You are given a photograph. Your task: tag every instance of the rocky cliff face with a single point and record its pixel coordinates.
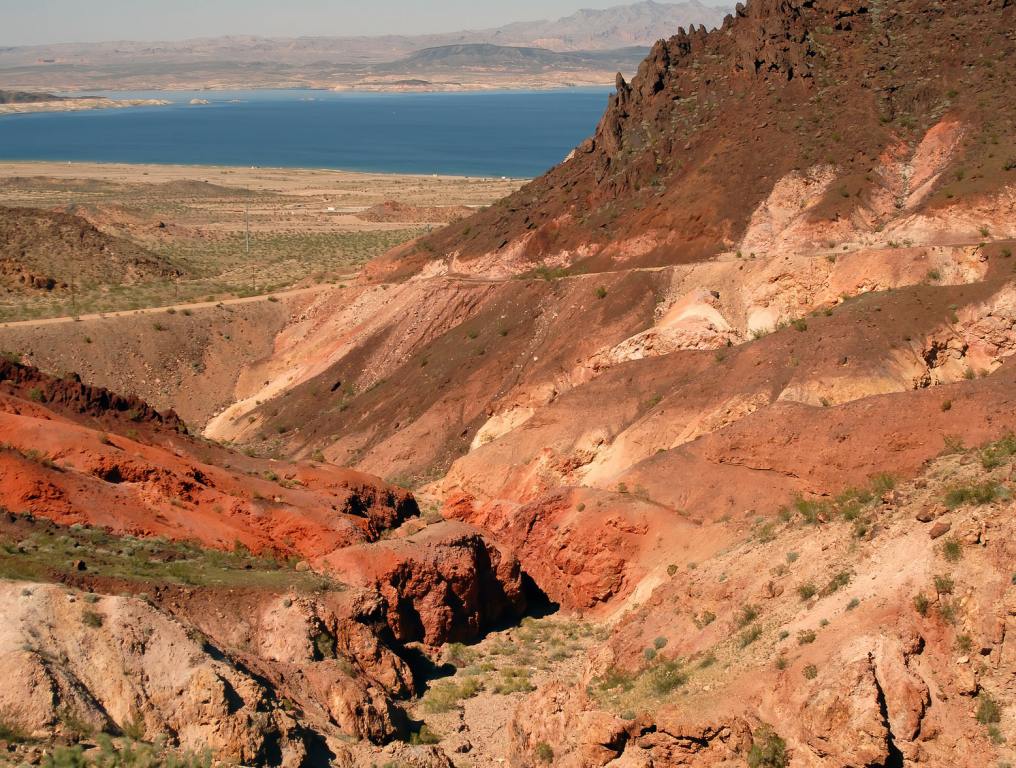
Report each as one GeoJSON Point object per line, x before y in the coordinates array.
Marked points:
{"type": "Point", "coordinates": [694, 143]}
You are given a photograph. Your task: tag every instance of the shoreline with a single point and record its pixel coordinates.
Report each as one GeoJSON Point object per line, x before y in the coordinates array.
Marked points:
{"type": "Point", "coordinates": [379, 87]}
{"type": "Point", "coordinates": [84, 104]}
{"type": "Point", "coordinates": [158, 173]}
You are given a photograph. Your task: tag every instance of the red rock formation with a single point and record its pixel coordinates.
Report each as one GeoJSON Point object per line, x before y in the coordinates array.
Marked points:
{"type": "Point", "coordinates": [444, 584]}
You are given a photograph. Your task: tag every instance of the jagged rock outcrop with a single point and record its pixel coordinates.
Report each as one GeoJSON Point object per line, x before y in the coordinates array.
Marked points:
{"type": "Point", "coordinates": [114, 663]}
{"type": "Point", "coordinates": [444, 584]}
{"type": "Point", "coordinates": [70, 394]}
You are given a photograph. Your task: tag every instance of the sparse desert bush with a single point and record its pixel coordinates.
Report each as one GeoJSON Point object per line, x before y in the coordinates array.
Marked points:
{"type": "Point", "coordinates": [660, 643]}
{"type": "Point", "coordinates": [601, 292]}
{"type": "Point", "coordinates": [837, 582]}
{"type": "Point", "coordinates": [944, 585]}
{"type": "Point", "coordinates": [10, 730]}
{"type": "Point", "coordinates": [91, 619]}
{"type": "Point", "coordinates": [988, 710]}
{"type": "Point", "coordinates": [459, 654]}
{"type": "Point", "coordinates": [124, 754]}
{"type": "Point", "coordinates": [964, 644]}
{"type": "Point", "coordinates": [806, 637]}
{"type": "Point", "coordinates": [746, 615]}
{"type": "Point", "coordinates": [952, 550]}
{"type": "Point", "coordinates": [976, 494]}
{"type": "Point", "coordinates": [812, 512]}
{"type": "Point", "coordinates": [544, 752]}
{"type": "Point", "coordinates": [921, 604]}
{"type": "Point", "coordinates": [948, 610]}
{"type": "Point", "coordinates": [749, 636]}
{"type": "Point", "coordinates": [810, 672]}
{"type": "Point", "coordinates": [704, 619]}
{"type": "Point", "coordinates": [614, 679]}
{"type": "Point", "coordinates": [445, 696]}
{"type": "Point", "coordinates": [807, 590]}
{"type": "Point", "coordinates": [666, 676]}
{"type": "Point", "coordinates": [768, 750]}
{"type": "Point", "coordinates": [424, 736]}
{"type": "Point", "coordinates": [996, 454]}
{"type": "Point", "coordinates": [324, 645]}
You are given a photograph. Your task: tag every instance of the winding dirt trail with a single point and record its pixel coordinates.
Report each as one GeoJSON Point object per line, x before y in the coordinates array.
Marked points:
{"type": "Point", "coordinates": [176, 307]}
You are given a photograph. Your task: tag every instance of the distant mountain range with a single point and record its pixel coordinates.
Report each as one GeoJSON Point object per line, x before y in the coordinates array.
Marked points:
{"type": "Point", "coordinates": [471, 56]}
{"type": "Point", "coordinates": [599, 42]}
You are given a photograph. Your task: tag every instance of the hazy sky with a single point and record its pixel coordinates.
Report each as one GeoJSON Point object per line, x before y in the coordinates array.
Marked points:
{"type": "Point", "coordinates": [28, 22]}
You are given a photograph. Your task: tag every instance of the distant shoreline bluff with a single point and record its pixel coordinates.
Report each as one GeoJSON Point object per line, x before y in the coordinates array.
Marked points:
{"type": "Point", "coordinates": [78, 105]}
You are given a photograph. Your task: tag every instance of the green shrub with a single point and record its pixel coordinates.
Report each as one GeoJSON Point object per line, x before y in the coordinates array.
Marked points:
{"type": "Point", "coordinates": [749, 636]}
{"type": "Point", "coordinates": [459, 654]}
{"type": "Point", "coordinates": [768, 750]}
{"type": "Point", "coordinates": [997, 453]}
{"type": "Point", "coordinates": [921, 604]}
{"type": "Point", "coordinates": [446, 696]}
{"type": "Point", "coordinates": [947, 610]}
{"type": "Point", "coordinates": [810, 672]}
{"type": "Point", "coordinates": [837, 582]}
{"type": "Point", "coordinates": [981, 493]}
{"type": "Point", "coordinates": [988, 710]}
{"type": "Point", "coordinates": [746, 615]}
{"type": "Point", "coordinates": [424, 736]}
{"type": "Point", "coordinates": [704, 619]}
{"type": "Point", "coordinates": [11, 731]}
{"type": "Point", "coordinates": [807, 590]}
{"type": "Point", "coordinates": [812, 512]}
{"type": "Point", "coordinates": [665, 676]}
{"type": "Point", "coordinates": [615, 678]}
{"type": "Point", "coordinates": [806, 637]}
{"type": "Point", "coordinates": [124, 754]}
{"type": "Point", "coordinates": [544, 753]}
{"type": "Point", "coordinates": [324, 645]}
{"type": "Point", "coordinates": [854, 602]}
{"type": "Point", "coordinates": [134, 728]}
{"type": "Point", "coordinates": [601, 292]}
{"type": "Point", "coordinates": [944, 585]}
{"type": "Point", "coordinates": [952, 550]}
{"type": "Point", "coordinates": [91, 619]}
{"type": "Point", "coordinates": [660, 643]}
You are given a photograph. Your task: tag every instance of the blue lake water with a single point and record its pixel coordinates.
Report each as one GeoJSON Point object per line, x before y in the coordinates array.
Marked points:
{"type": "Point", "coordinates": [518, 134]}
